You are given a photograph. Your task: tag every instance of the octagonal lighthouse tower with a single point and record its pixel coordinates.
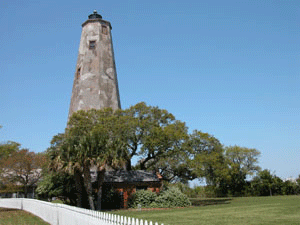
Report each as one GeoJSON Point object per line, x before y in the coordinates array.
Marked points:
{"type": "Point", "coordinates": [95, 81]}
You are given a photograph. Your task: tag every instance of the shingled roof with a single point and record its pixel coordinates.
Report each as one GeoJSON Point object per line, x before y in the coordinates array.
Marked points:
{"type": "Point", "coordinates": [122, 176]}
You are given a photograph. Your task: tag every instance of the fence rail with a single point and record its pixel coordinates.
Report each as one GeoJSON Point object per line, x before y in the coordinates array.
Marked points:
{"type": "Point", "coordinates": [60, 214]}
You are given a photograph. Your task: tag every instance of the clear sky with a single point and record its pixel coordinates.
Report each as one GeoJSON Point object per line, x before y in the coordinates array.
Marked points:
{"type": "Point", "coordinates": [229, 68]}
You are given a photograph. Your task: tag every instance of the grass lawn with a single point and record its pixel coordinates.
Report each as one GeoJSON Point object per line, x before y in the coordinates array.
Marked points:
{"type": "Point", "coordinates": [18, 217]}
{"type": "Point", "coordinates": [247, 210]}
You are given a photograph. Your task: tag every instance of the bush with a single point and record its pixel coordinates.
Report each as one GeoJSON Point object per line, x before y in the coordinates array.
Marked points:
{"type": "Point", "coordinates": [142, 197]}
{"type": "Point", "coordinates": [184, 188]}
{"type": "Point", "coordinates": [172, 197]}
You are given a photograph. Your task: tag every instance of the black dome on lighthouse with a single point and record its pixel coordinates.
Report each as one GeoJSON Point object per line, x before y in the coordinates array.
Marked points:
{"type": "Point", "coordinates": [95, 15]}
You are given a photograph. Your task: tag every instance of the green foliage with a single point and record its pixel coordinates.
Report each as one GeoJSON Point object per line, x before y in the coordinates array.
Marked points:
{"type": "Point", "coordinates": [106, 137]}
{"type": "Point", "coordinates": [197, 192]}
{"type": "Point", "coordinates": [170, 198]}
{"type": "Point", "coordinates": [243, 159]}
{"type": "Point", "coordinates": [45, 186]}
{"type": "Point", "coordinates": [226, 169]}
{"type": "Point", "coordinates": [7, 148]}
{"type": "Point", "coordinates": [290, 188]}
{"type": "Point", "coordinates": [241, 163]}
{"type": "Point", "coordinates": [159, 139]}
{"type": "Point", "coordinates": [57, 185]}
{"type": "Point", "coordinates": [208, 159]}
{"type": "Point", "coordinates": [91, 139]}
{"type": "Point", "coordinates": [266, 183]}
{"type": "Point", "coordinates": [184, 188]}
{"type": "Point", "coordinates": [142, 198]}
{"type": "Point", "coordinates": [211, 191]}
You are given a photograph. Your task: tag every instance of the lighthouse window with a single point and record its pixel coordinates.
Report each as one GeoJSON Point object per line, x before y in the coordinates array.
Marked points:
{"type": "Point", "coordinates": [104, 29]}
{"type": "Point", "coordinates": [78, 73]}
{"type": "Point", "coordinates": [92, 45]}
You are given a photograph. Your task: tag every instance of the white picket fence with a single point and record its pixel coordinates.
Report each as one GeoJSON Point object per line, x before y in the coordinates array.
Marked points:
{"type": "Point", "coordinates": [60, 214]}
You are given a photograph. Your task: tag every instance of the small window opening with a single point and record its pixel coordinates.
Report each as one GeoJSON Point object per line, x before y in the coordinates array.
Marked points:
{"type": "Point", "coordinates": [92, 45]}
{"type": "Point", "coordinates": [104, 30]}
{"type": "Point", "coordinates": [141, 188]}
{"type": "Point", "coordinates": [78, 73]}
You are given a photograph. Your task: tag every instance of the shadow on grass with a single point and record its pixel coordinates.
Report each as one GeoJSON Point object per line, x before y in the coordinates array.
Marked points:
{"type": "Point", "coordinates": [8, 210]}
{"type": "Point", "coordinates": [209, 201]}
{"type": "Point", "coordinates": [195, 202]}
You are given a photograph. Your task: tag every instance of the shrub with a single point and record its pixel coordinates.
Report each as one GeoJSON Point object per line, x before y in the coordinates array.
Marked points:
{"type": "Point", "coordinates": [142, 197]}
{"type": "Point", "coordinates": [172, 197]}
{"type": "Point", "coordinates": [184, 188]}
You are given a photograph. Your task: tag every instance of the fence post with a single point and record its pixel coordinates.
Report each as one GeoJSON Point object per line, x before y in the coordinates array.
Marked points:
{"type": "Point", "coordinates": [129, 221]}
{"type": "Point", "coordinates": [57, 214]}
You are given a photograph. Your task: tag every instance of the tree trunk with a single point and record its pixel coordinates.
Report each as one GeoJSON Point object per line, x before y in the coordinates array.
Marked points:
{"type": "Point", "coordinates": [128, 165]}
{"type": "Point", "coordinates": [99, 198]}
{"type": "Point", "coordinates": [88, 186]}
{"type": "Point", "coordinates": [143, 166]}
{"type": "Point", "coordinates": [100, 179]}
{"type": "Point", "coordinates": [78, 186]}
{"type": "Point", "coordinates": [25, 191]}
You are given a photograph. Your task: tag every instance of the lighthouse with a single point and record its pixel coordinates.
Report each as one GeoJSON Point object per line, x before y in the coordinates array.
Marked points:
{"type": "Point", "coordinates": [95, 81]}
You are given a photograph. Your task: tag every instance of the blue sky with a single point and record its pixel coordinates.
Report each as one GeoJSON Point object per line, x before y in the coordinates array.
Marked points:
{"type": "Point", "coordinates": [229, 68]}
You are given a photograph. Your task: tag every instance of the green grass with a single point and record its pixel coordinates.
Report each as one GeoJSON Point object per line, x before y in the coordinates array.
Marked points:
{"type": "Point", "coordinates": [247, 210]}
{"type": "Point", "coordinates": [58, 201]}
{"type": "Point", "coordinates": [18, 217]}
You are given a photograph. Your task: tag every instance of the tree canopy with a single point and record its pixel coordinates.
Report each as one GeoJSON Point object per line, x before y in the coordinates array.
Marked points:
{"type": "Point", "coordinates": [22, 169]}
{"type": "Point", "coordinates": [147, 138]}
{"type": "Point", "coordinates": [7, 148]}
{"type": "Point", "coordinates": [242, 162]}
{"type": "Point", "coordinates": [90, 140]}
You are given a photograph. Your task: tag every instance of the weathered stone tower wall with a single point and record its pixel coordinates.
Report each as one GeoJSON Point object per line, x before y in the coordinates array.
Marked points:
{"type": "Point", "coordinates": [95, 81]}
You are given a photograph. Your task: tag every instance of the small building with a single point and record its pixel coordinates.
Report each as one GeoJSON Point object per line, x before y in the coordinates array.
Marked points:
{"type": "Point", "coordinates": [125, 183]}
